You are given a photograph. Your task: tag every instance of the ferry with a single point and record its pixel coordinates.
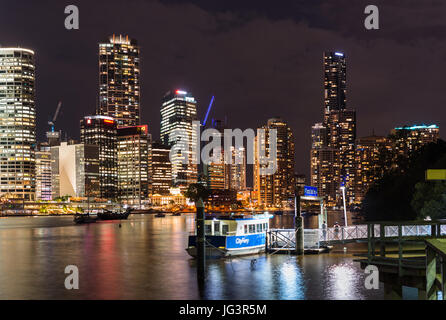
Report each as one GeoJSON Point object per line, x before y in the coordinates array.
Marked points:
{"type": "Point", "coordinates": [233, 235]}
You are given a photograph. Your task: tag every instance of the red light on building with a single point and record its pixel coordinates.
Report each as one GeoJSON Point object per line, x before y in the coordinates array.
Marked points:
{"type": "Point", "coordinates": [88, 121]}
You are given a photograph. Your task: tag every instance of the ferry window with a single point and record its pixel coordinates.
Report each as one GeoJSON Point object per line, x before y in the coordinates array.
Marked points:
{"type": "Point", "coordinates": [224, 229]}
{"type": "Point", "coordinates": [259, 228]}
{"type": "Point", "coordinates": [246, 228]}
{"type": "Point", "coordinates": [252, 228]}
{"type": "Point", "coordinates": [207, 229]}
{"type": "Point", "coordinates": [265, 226]}
{"type": "Point", "coordinates": [217, 227]}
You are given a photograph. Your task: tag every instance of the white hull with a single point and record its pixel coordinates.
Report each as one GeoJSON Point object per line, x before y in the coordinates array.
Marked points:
{"type": "Point", "coordinates": [215, 253]}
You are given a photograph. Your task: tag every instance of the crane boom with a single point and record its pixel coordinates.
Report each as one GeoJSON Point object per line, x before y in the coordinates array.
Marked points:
{"type": "Point", "coordinates": [59, 105]}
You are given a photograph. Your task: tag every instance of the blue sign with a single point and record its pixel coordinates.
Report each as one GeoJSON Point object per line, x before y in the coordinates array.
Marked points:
{"type": "Point", "coordinates": [310, 191]}
{"type": "Point", "coordinates": [251, 240]}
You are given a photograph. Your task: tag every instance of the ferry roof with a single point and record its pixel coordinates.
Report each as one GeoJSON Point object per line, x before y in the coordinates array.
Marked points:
{"type": "Point", "coordinates": [240, 217]}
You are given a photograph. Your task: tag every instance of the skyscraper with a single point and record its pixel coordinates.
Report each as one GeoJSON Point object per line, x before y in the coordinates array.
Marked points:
{"type": "Point", "coordinates": [368, 163]}
{"type": "Point", "coordinates": [75, 170]}
{"type": "Point", "coordinates": [119, 86]}
{"type": "Point", "coordinates": [324, 165]}
{"type": "Point", "coordinates": [410, 138]}
{"type": "Point", "coordinates": [101, 131]}
{"type": "Point", "coordinates": [335, 81]}
{"type": "Point", "coordinates": [43, 172]}
{"type": "Point", "coordinates": [17, 123]}
{"type": "Point", "coordinates": [178, 111]}
{"type": "Point", "coordinates": [161, 169]}
{"type": "Point", "coordinates": [333, 151]}
{"type": "Point", "coordinates": [276, 189]}
{"type": "Point", "coordinates": [133, 164]}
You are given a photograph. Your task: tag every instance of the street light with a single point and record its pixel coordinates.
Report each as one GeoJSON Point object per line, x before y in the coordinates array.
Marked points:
{"type": "Point", "coordinates": [345, 209]}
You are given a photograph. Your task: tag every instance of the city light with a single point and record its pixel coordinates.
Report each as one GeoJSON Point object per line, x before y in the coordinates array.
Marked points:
{"type": "Point", "coordinates": [180, 92]}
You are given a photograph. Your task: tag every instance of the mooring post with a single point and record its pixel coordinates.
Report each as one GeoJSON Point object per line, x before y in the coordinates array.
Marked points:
{"type": "Point", "coordinates": [299, 227]}
{"type": "Point", "coordinates": [201, 245]}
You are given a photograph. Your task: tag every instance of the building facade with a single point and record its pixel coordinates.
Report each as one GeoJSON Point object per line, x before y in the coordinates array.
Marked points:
{"type": "Point", "coordinates": [75, 170]}
{"type": "Point", "coordinates": [43, 172]}
{"type": "Point", "coordinates": [178, 112]}
{"type": "Point", "coordinates": [369, 166]}
{"type": "Point", "coordinates": [161, 169]}
{"type": "Point", "coordinates": [411, 138]}
{"type": "Point", "coordinates": [119, 83]}
{"type": "Point", "coordinates": [274, 189]}
{"type": "Point", "coordinates": [102, 131]}
{"type": "Point", "coordinates": [133, 164]}
{"type": "Point", "coordinates": [17, 123]}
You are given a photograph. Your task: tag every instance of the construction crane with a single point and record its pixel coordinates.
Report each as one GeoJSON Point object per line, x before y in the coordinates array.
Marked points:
{"type": "Point", "coordinates": [209, 110]}
{"type": "Point", "coordinates": [53, 122]}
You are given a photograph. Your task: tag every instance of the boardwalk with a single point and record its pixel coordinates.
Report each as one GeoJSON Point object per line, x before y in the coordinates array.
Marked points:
{"type": "Point", "coordinates": [285, 238]}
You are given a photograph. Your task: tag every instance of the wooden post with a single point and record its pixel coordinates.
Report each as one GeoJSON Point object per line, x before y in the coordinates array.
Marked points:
{"type": "Point", "coordinates": [201, 245]}
{"type": "Point", "coordinates": [431, 274]}
{"type": "Point", "coordinates": [382, 245]}
{"type": "Point", "coordinates": [369, 242]}
{"type": "Point", "coordinates": [400, 250]}
{"type": "Point", "coordinates": [299, 227]}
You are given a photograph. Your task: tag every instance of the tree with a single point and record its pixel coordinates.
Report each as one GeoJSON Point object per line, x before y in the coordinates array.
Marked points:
{"type": "Point", "coordinates": [390, 197]}
{"type": "Point", "coordinates": [197, 191]}
{"type": "Point", "coordinates": [429, 199]}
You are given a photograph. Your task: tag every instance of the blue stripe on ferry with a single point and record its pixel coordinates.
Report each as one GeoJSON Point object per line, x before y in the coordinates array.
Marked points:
{"type": "Point", "coordinates": [246, 241]}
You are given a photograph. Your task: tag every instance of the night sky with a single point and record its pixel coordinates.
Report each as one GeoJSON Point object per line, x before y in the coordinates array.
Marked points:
{"type": "Point", "coordinates": [259, 58]}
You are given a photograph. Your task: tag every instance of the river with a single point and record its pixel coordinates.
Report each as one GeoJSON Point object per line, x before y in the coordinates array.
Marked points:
{"type": "Point", "coordinates": [145, 258]}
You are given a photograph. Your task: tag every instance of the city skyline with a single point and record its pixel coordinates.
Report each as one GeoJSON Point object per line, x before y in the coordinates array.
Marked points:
{"type": "Point", "coordinates": [234, 77]}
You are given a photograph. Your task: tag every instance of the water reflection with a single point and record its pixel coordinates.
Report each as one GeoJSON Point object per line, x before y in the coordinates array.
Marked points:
{"type": "Point", "coordinates": [145, 258]}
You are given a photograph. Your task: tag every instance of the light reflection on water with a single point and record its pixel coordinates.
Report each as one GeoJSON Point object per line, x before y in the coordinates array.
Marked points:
{"type": "Point", "coordinates": [145, 258]}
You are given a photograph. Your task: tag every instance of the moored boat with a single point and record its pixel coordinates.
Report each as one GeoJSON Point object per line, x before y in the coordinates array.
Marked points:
{"type": "Point", "coordinates": [109, 215]}
{"type": "Point", "coordinates": [233, 236]}
{"type": "Point", "coordinates": [84, 218]}
{"type": "Point", "coordinates": [160, 215]}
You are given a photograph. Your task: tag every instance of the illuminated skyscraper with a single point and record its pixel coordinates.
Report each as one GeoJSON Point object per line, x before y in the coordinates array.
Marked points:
{"type": "Point", "coordinates": [101, 131]}
{"type": "Point", "coordinates": [178, 111]}
{"type": "Point", "coordinates": [324, 165]}
{"type": "Point", "coordinates": [235, 176]}
{"type": "Point", "coordinates": [335, 81]}
{"type": "Point", "coordinates": [333, 145]}
{"type": "Point", "coordinates": [276, 189]}
{"type": "Point", "coordinates": [119, 87]}
{"type": "Point", "coordinates": [161, 169]}
{"type": "Point", "coordinates": [43, 172]}
{"type": "Point", "coordinates": [75, 170]}
{"type": "Point", "coordinates": [17, 123]}
{"type": "Point", "coordinates": [133, 164]}
{"type": "Point", "coordinates": [368, 163]}
{"type": "Point", "coordinates": [410, 138]}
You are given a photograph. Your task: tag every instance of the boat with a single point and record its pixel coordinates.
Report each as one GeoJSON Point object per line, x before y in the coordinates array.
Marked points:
{"type": "Point", "coordinates": [84, 218]}
{"type": "Point", "coordinates": [177, 214]}
{"type": "Point", "coordinates": [233, 235]}
{"type": "Point", "coordinates": [109, 215]}
{"type": "Point", "coordinates": [160, 215]}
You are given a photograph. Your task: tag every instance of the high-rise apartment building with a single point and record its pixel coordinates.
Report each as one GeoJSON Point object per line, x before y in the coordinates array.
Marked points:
{"type": "Point", "coordinates": [75, 170]}
{"type": "Point", "coordinates": [368, 163]}
{"type": "Point", "coordinates": [133, 164]}
{"type": "Point", "coordinates": [324, 165]}
{"type": "Point", "coordinates": [274, 189]}
{"type": "Point", "coordinates": [178, 111]}
{"type": "Point", "coordinates": [17, 123]}
{"type": "Point", "coordinates": [335, 81]}
{"type": "Point", "coordinates": [161, 169]}
{"type": "Point", "coordinates": [410, 138]}
{"type": "Point", "coordinates": [119, 84]}
{"type": "Point", "coordinates": [43, 172]}
{"type": "Point", "coordinates": [102, 131]}
{"type": "Point", "coordinates": [333, 145]}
